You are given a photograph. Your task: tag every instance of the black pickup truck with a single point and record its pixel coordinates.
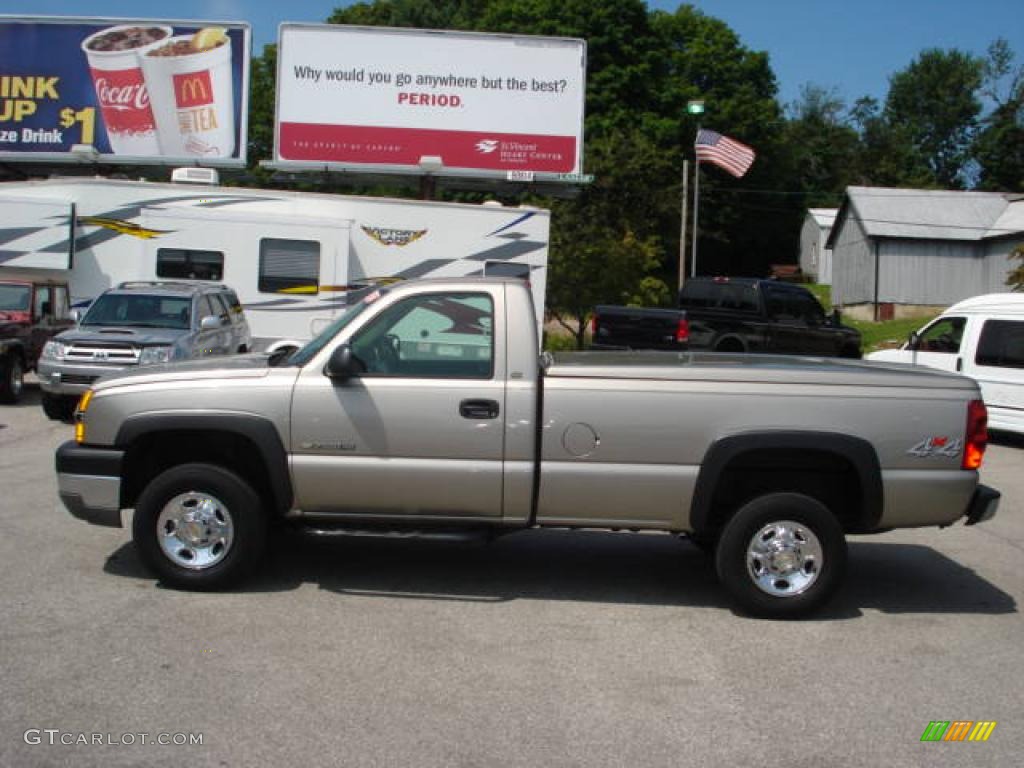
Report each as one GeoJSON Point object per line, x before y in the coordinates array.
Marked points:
{"type": "Point", "coordinates": [731, 314]}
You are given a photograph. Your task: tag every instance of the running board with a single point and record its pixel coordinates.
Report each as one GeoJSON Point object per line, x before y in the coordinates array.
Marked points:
{"type": "Point", "coordinates": [397, 533]}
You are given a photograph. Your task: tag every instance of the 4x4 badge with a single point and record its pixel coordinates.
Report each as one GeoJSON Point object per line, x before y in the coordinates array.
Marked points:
{"type": "Point", "coordinates": [936, 446]}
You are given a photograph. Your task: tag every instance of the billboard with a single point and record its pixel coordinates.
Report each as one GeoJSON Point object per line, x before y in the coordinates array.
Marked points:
{"type": "Point", "coordinates": [139, 91]}
{"type": "Point", "coordinates": [496, 105]}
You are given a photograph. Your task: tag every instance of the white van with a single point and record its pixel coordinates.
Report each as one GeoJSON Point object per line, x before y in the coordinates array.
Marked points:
{"type": "Point", "coordinates": [981, 337]}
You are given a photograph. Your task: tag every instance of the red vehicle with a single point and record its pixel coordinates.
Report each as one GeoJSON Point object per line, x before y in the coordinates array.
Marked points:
{"type": "Point", "coordinates": [31, 312]}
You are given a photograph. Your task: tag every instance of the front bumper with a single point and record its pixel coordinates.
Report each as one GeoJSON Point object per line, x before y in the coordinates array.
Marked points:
{"type": "Point", "coordinates": [89, 482]}
{"type": "Point", "coordinates": [68, 379]}
{"type": "Point", "coordinates": [983, 505]}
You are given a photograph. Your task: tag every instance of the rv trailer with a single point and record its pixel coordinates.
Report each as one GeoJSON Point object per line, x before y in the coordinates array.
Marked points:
{"type": "Point", "coordinates": [294, 258]}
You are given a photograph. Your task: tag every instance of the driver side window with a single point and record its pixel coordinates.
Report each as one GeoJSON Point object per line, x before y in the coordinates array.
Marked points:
{"type": "Point", "coordinates": [431, 336]}
{"type": "Point", "coordinates": [943, 335]}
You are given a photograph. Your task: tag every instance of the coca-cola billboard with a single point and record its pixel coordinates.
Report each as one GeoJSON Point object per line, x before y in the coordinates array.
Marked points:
{"type": "Point", "coordinates": [137, 91]}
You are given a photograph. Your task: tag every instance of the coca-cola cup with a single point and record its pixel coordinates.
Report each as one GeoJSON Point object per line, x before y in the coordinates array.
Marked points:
{"type": "Point", "coordinates": [193, 95]}
{"type": "Point", "coordinates": [113, 56]}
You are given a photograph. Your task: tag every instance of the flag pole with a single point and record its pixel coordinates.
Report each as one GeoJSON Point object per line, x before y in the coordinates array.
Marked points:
{"type": "Point", "coordinates": [696, 208]}
{"type": "Point", "coordinates": [682, 224]}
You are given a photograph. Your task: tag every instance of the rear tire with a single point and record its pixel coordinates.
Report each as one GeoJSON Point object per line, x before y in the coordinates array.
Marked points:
{"type": "Point", "coordinates": [730, 345]}
{"type": "Point", "coordinates": [781, 556]}
{"type": "Point", "coordinates": [59, 407]}
{"type": "Point", "coordinates": [12, 377]}
{"type": "Point", "coordinates": [199, 527]}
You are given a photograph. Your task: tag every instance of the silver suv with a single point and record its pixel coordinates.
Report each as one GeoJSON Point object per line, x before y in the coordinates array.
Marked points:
{"type": "Point", "coordinates": [139, 324]}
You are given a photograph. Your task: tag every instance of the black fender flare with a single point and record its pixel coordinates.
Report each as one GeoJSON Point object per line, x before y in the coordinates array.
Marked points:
{"type": "Point", "coordinates": [728, 337]}
{"type": "Point", "coordinates": [859, 452]}
{"type": "Point", "coordinates": [8, 346]}
{"type": "Point", "coordinates": [260, 431]}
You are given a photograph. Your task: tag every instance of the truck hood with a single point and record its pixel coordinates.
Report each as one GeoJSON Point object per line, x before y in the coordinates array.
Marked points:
{"type": "Point", "coordinates": [713, 366]}
{"type": "Point", "coordinates": [229, 367]}
{"type": "Point", "coordinates": [114, 334]}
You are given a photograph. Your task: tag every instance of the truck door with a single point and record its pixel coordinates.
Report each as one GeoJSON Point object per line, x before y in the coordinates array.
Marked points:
{"type": "Point", "coordinates": [421, 432]}
{"type": "Point", "coordinates": [939, 344]}
{"type": "Point", "coordinates": [786, 327]}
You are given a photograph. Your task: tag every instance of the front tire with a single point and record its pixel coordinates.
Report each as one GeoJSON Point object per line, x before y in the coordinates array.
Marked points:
{"type": "Point", "coordinates": [199, 527]}
{"type": "Point", "coordinates": [12, 378]}
{"type": "Point", "coordinates": [781, 556]}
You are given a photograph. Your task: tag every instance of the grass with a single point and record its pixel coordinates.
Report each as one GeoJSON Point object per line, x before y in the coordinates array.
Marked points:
{"type": "Point", "coordinates": [882, 335]}
{"type": "Point", "coordinates": [887, 334]}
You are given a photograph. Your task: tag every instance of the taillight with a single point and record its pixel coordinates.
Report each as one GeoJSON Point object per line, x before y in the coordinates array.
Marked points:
{"type": "Point", "coordinates": [976, 436]}
{"type": "Point", "coordinates": [683, 330]}
{"type": "Point", "coordinates": [593, 325]}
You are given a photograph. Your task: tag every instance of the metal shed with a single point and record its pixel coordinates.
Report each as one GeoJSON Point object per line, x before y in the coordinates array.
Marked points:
{"type": "Point", "coordinates": [900, 252]}
{"type": "Point", "coordinates": [815, 256]}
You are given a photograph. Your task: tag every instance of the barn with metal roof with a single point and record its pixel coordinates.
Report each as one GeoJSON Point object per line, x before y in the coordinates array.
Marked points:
{"type": "Point", "coordinates": [815, 257]}
{"type": "Point", "coordinates": [900, 252]}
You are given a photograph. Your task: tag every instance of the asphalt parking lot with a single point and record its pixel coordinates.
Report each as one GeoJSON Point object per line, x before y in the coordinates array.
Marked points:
{"type": "Point", "coordinates": [542, 649]}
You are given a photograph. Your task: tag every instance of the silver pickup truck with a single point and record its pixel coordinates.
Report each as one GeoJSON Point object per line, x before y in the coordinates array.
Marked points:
{"type": "Point", "coordinates": [427, 409]}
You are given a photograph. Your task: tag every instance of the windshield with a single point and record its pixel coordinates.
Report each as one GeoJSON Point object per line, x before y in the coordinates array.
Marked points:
{"type": "Point", "coordinates": [140, 311]}
{"type": "Point", "coordinates": [14, 298]}
{"type": "Point", "coordinates": [304, 355]}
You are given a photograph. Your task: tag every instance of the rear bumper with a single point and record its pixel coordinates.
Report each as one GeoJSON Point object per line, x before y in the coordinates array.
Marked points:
{"type": "Point", "coordinates": [89, 483]}
{"type": "Point", "coordinates": [983, 505]}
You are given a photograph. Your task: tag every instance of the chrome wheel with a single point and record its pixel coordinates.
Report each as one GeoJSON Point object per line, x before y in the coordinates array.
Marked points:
{"type": "Point", "coordinates": [784, 558]}
{"type": "Point", "coordinates": [195, 530]}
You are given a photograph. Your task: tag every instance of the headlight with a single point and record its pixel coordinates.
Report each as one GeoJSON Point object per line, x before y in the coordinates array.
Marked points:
{"type": "Point", "coordinates": [53, 350]}
{"type": "Point", "coordinates": [154, 355]}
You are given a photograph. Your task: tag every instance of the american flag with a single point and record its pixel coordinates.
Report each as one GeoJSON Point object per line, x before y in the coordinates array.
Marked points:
{"type": "Point", "coordinates": [713, 147]}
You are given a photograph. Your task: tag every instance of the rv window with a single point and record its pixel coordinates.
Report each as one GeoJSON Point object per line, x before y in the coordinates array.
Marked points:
{"type": "Point", "coordinates": [188, 264]}
{"type": "Point", "coordinates": [1001, 344]}
{"type": "Point", "coordinates": [289, 266]}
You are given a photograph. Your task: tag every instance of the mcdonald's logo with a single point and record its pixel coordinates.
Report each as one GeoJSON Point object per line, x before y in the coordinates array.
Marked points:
{"type": "Point", "coordinates": [958, 730]}
{"type": "Point", "coordinates": [193, 89]}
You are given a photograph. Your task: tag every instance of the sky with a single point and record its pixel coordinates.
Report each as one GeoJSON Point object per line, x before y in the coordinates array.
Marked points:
{"type": "Point", "coordinates": [853, 47]}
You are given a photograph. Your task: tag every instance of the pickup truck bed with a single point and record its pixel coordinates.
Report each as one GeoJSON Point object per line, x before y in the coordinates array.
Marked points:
{"type": "Point", "coordinates": [769, 461]}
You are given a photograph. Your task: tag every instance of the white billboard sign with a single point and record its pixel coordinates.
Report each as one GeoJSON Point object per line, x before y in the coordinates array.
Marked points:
{"type": "Point", "coordinates": [393, 97]}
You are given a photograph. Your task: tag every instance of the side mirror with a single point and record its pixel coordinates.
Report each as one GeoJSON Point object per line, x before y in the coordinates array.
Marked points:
{"type": "Point", "coordinates": [76, 316]}
{"type": "Point", "coordinates": [210, 323]}
{"type": "Point", "coordinates": [837, 318]}
{"type": "Point", "coordinates": [343, 365]}
{"type": "Point", "coordinates": [913, 341]}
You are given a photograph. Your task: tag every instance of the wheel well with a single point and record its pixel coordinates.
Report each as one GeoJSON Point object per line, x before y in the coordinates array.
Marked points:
{"type": "Point", "coordinates": [154, 452]}
{"type": "Point", "coordinates": [730, 344]}
{"type": "Point", "coordinates": [828, 477]}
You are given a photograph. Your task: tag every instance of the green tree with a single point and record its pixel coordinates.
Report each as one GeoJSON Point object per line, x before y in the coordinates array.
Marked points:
{"type": "Point", "coordinates": [823, 148]}
{"type": "Point", "coordinates": [999, 147]}
{"type": "Point", "coordinates": [936, 102]}
{"type": "Point", "coordinates": [262, 85]}
{"type": "Point", "coordinates": [603, 247]}
{"type": "Point", "coordinates": [745, 224]}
